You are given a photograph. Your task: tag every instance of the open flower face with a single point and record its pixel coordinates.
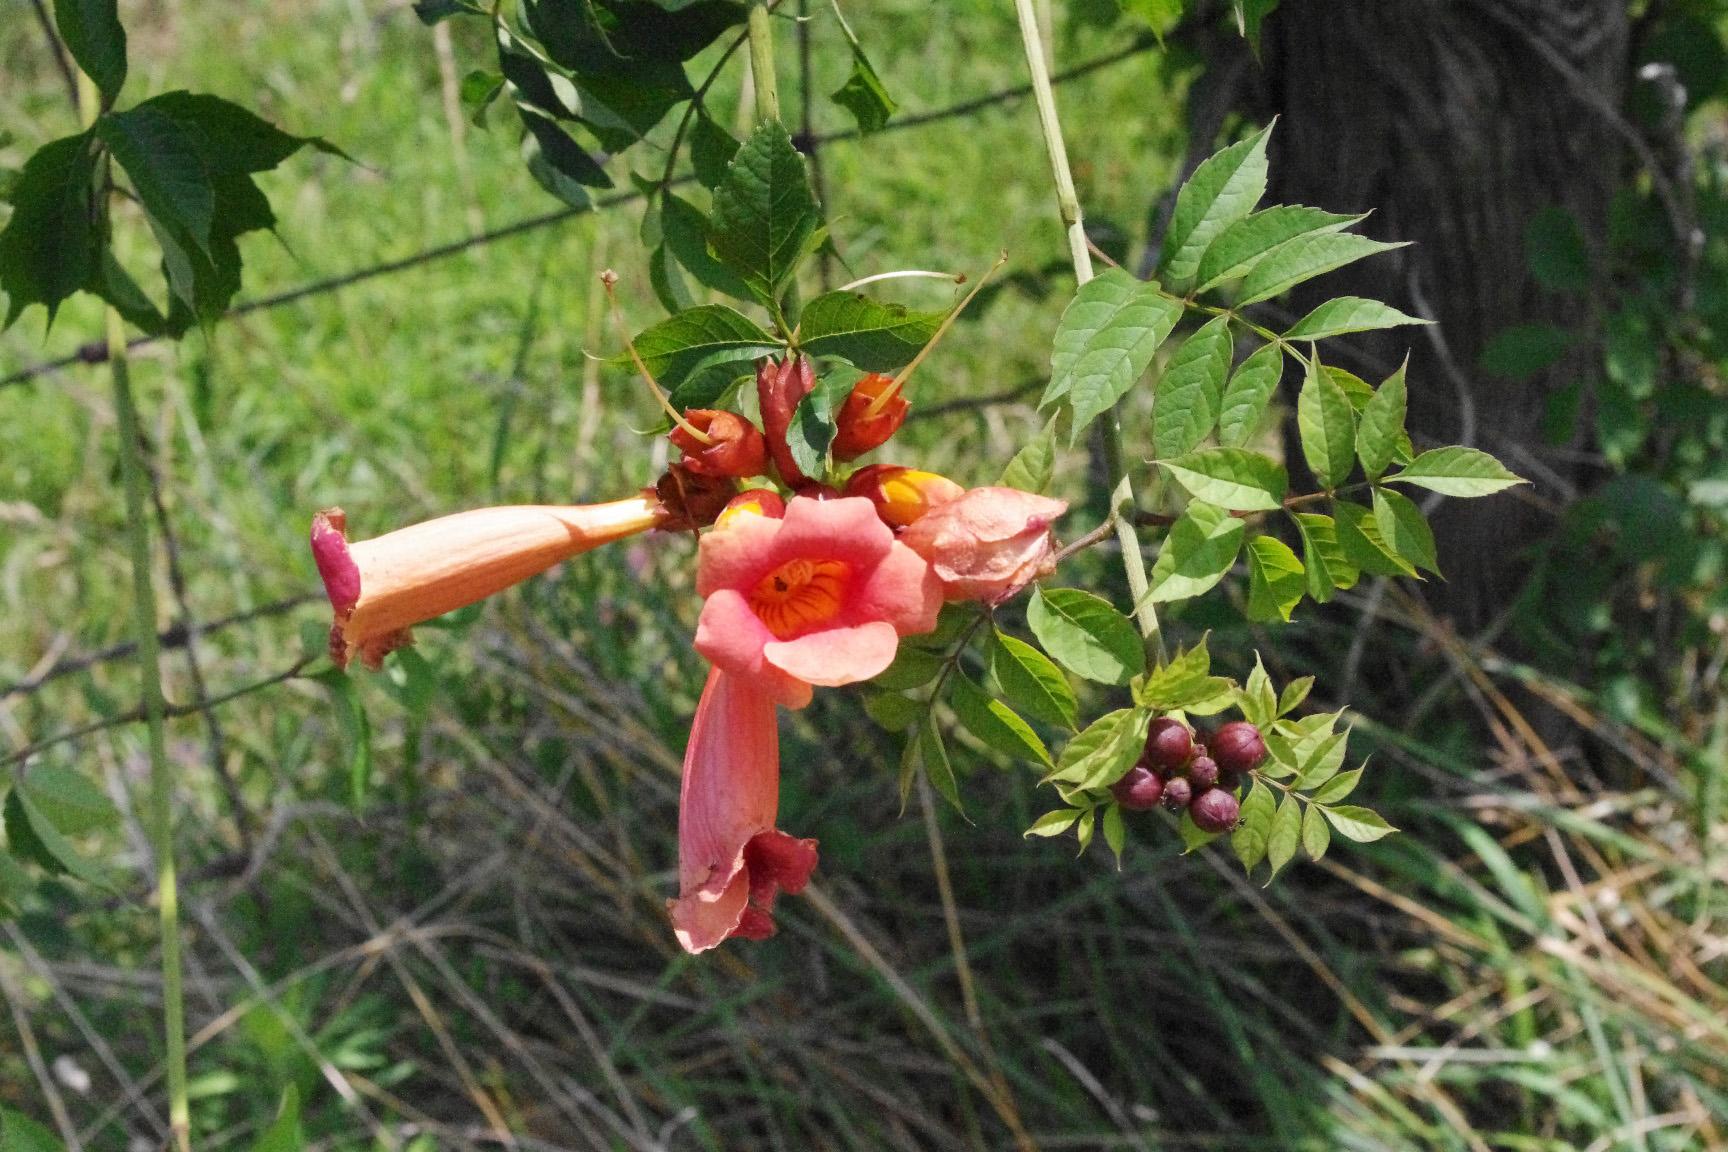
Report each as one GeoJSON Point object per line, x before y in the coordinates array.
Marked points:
{"type": "Point", "coordinates": [819, 597]}
{"type": "Point", "coordinates": [379, 588]}
{"type": "Point", "coordinates": [732, 861]}
{"type": "Point", "coordinates": [988, 543]}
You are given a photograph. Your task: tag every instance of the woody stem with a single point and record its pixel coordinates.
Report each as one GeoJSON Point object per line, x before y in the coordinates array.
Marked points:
{"type": "Point", "coordinates": [1122, 501]}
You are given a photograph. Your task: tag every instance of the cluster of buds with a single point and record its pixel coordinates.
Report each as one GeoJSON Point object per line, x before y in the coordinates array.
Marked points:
{"type": "Point", "coordinates": [984, 543]}
{"type": "Point", "coordinates": [1181, 773]}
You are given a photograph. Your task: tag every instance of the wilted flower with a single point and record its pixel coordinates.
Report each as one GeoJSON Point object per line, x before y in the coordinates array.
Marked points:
{"type": "Point", "coordinates": [819, 597]}
{"type": "Point", "coordinates": [732, 861]}
{"type": "Point", "coordinates": [378, 588]}
{"type": "Point", "coordinates": [988, 543]}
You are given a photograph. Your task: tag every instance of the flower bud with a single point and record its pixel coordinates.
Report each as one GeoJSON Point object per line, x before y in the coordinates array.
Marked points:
{"type": "Point", "coordinates": [1202, 773]}
{"type": "Point", "coordinates": [1139, 790]}
{"type": "Point", "coordinates": [755, 502]}
{"type": "Point", "coordinates": [734, 447]}
{"type": "Point", "coordinates": [1169, 746]}
{"type": "Point", "coordinates": [1238, 747]}
{"type": "Point", "coordinates": [902, 495]}
{"type": "Point", "coordinates": [866, 421]}
{"type": "Point", "coordinates": [1215, 810]}
{"type": "Point", "coordinates": [779, 387]}
{"type": "Point", "coordinates": [989, 543]}
{"type": "Point", "coordinates": [1177, 793]}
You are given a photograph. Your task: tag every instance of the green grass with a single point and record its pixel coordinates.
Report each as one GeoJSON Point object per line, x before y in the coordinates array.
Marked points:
{"type": "Point", "coordinates": [484, 945]}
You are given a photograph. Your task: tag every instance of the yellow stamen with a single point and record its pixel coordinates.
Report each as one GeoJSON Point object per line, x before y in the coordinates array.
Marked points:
{"type": "Point", "coordinates": [607, 279]}
{"type": "Point", "coordinates": [894, 386]}
{"type": "Point", "coordinates": [799, 595]}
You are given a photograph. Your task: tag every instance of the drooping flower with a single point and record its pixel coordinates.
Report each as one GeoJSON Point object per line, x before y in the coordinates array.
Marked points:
{"type": "Point", "coordinates": [988, 543]}
{"type": "Point", "coordinates": [734, 448]}
{"type": "Point", "coordinates": [819, 597]}
{"type": "Point", "coordinates": [732, 860]}
{"type": "Point", "coordinates": [379, 588]}
{"type": "Point", "coordinates": [902, 495]}
{"type": "Point", "coordinates": [870, 415]}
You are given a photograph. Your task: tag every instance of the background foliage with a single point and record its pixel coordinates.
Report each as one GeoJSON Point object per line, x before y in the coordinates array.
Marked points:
{"type": "Point", "coordinates": [480, 950]}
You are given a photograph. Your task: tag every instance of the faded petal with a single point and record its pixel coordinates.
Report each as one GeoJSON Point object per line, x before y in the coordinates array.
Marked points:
{"type": "Point", "coordinates": [987, 543]}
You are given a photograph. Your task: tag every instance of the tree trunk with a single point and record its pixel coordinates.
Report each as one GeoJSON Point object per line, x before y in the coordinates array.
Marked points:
{"type": "Point", "coordinates": [1456, 122]}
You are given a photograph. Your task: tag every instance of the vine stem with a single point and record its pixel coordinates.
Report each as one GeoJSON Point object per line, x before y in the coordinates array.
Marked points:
{"type": "Point", "coordinates": [1122, 501]}
{"type": "Point", "coordinates": [761, 32]}
{"type": "Point", "coordinates": [161, 810]}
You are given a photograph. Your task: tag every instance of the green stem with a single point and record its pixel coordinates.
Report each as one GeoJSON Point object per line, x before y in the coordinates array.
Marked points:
{"type": "Point", "coordinates": [161, 810]}
{"type": "Point", "coordinates": [762, 62]}
{"type": "Point", "coordinates": [1122, 501]}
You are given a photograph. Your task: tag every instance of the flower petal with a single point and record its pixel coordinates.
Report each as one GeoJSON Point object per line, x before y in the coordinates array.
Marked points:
{"type": "Point", "coordinates": [734, 638]}
{"type": "Point", "coordinates": [846, 529]}
{"type": "Point", "coordinates": [837, 656]}
{"type": "Point", "coordinates": [736, 552]}
{"type": "Point", "coordinates": [903, 590]}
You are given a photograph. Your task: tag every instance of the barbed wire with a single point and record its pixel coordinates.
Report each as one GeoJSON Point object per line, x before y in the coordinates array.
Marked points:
{"type": "Point", "coordinates": [97, 352]}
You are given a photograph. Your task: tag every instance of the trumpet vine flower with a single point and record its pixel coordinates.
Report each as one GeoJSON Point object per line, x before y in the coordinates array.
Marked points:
{"type": "Point", "coordinates": [379, 588]}
{"type": "Point", "coordinates": [820, 597]}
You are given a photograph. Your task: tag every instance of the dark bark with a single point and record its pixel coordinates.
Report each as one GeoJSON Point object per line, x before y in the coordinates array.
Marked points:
{"type": "Point", "coordinates": [1455, 122]}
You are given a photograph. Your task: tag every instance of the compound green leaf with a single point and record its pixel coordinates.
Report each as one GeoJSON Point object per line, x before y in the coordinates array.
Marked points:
{"type": "Point", "coordinates": [1382, 427]}
{"type": "Point", "coordinates": [1197, 553]}
{"type": "Point", "coordinates": [1328, 569]}
{"type": "Point", "coordinates": [1032, 683]}
{"type": "Point", "coordinates": [1242, 245]}
{"type": "Point", "coordinates": [1363, 825]}
{"type": "Point", "coordinates": [1223, 190]}
{"type": "Point", "coordinates": [1284, 836]}
{"type": "Point", "coordinates": [91, 31]}
{"type": "Point", "coordinates": [1457, 471]}
{"type": "Point", "coordinates": [1404, 529]}
{"type": "Point", "coordinates": [874, 335]}
{"type": "Point", "coordinates": [1231, 478]}
{"type": "Point", "coordinates": [1303, 259]}
{"type": "Point", "coordinates": [1328, 426]}
{"type": "Point", "coordinates": [1190, 390]}
{"type": "Point", "coordinates": [1348, 314]}
{"type": "Point", "coordinates": [1086, 634]}
{"type": "Point", "coordinates": [50, 247]}
{"type": "Point", "coordinates": [995, 724]}
{"type": "Point", "coordinates": [1243, 408]}
{"type": "Point", "coordinates": [1105, 341]}
{"type": "Point", "coordinates": [764, 212]}
{"type": "Point", "coordinates": [1275, 580]}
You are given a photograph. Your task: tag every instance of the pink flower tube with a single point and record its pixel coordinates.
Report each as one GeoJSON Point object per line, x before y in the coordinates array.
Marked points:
{"type": "Point", "coordinates": [732, 861]}
{"type": "Point", "coordinates": [378, 588]}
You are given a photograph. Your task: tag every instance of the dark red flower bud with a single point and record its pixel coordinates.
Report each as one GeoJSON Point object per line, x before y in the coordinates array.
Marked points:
{"type": "Point", "coordinates": [1139, 790]}
{"type": "Point", "coordinates": [734, 447]}
{"type": "Point", "coordinates": [1169, 746]}
{"type": "Point", "coordinates": [1238, 747]}
{"type": "Point", "coordinates": [1177, 793]}
{"type": "Point", "coordinates": [866, 420]}
{"type": "Point", "coordinates": [779, 388]}
{"type": "Point", "coordinates": [1202, 772]}
{"type": "Point", "coordinates": [1215, 810]}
